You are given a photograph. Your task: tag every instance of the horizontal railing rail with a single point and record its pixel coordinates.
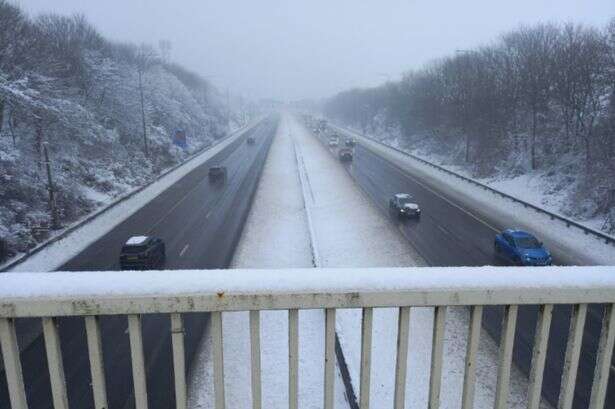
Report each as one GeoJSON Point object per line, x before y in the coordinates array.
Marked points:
{"type": "Point", "coordinates": [554, 216]}
{"type": "Point", "coordinates": [94, 295]}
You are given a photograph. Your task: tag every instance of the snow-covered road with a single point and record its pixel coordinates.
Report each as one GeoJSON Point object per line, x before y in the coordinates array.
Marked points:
{"type": "Point", "coordinates": [348, 231]}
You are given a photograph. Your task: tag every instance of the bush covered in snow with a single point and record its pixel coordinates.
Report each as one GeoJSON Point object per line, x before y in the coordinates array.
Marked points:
{"type": "Point", "coordinates": [540, 101]}
{"type": "Point", "coordinates": [106, 113]}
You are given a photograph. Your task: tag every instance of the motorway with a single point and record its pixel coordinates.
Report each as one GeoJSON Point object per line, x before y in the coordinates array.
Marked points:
{"type": "Point", "coordinates": [448, 234]}
{"type": "Point", "coordinates": [200, 223]}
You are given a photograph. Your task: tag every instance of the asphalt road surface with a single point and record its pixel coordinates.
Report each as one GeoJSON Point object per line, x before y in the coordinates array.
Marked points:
{"type": "Point", "coordinates": [448, 234]}
{"type": "Point", "coordinates": [200, 223]}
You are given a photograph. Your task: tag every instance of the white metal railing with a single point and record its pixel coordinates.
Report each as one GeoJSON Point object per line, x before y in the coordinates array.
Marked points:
{"type": "Point", "coordinates": [96, 294]}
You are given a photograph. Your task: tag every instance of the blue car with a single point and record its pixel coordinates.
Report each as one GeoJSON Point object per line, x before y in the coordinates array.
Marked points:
{"type": "Point", "coordinates": [521, 248]}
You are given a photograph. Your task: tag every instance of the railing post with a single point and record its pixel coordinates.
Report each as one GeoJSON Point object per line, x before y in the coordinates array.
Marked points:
{"type": "Point", "coordinates": [138, 361]}
{"type": "Point", "coordinates": [366, 356]}
{"type": "Point", "coordinates": [12, 364]}
{"type": "Point", "coordinates": [469, 377]}
{"type": "Point", "coordinates": [573, 351]}
{"type": "Point", "coordinates": [55, 364]}
{"type": "Point", "coordinates": [603, 362]}
{"type": "Point", "coordinates": [539, 355]}
{"type": "Point", "coordinates": [507, 340]}
{"type": "Point", "coordinates": [255, 346]}
{"type": "Point", "coordinates": [179, 361]}
{"type": "Point", "coordinates": [329, 357]}
{"type": "Point", "coordinates": [97, 369]}
{"type": "Point", "coordinates": [293, 358]}
{"type": "Point", "coordinates": [437, 350]}
{"type": "Point", "coordinates": [218, 346]}
{"type": "Point", "coordinates": [401, 362]}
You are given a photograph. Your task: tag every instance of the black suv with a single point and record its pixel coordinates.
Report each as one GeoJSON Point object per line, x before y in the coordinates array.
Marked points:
{"type": "Point", "coordinates": [345, 155]}
{"type": "Point", "coordinates": [350, 142]}
{"type": "Point", "coordinates": [142, 253]}
{"type": "Point", "coordinates": [217, 174]}
{"type": "Point", "coordinates": [402, 204]}
{"type": "Point", "coordinates": [251, 140]}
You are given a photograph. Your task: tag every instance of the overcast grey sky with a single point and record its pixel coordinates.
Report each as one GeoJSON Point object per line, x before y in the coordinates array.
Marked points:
{"type": "Point", "coordinates": [314, 48]}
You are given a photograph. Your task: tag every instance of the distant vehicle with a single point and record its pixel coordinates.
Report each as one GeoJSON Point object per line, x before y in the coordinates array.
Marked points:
{"type": "Point", "coordinates": [350, 142]}
{"type": "Point", "coordinates": [345, 155]}
{"type": "Point", "coordinates": [251, 140]}
{"type": "Point", "coordinates": [217, 174]}
{"type": "Point", "coordinates": [404, 206]}
{"type": "Point", "coordinates": [521, 248]}
{"type": "Point", "coordinates": [334, 141]}
{"type": "Point", "coordinates": [142, 252]}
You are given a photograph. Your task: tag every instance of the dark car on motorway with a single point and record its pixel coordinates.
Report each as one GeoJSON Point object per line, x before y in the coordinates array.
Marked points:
{"type": "Point", "coordinates": [251, 140]}
{"type": "Point", "coordinates": [345, 155]}
{"type": "Point", "coordinates": [334, 141]}
{"type": "Point", "coordinates": [521, 248]}
{"type": "Point", "coordinates": [217, 174]}
{"type": "Point", "coordinates": [404, 206]}
{"type": "Point", "coordinates": [350, 142]}
{"type": "Point", "coordinates": [142, 252]}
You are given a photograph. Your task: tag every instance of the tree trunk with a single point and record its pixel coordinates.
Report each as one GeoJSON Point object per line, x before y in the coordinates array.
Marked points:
{"type": "Point", "coordinates": [38, 144]}
{"type": "Point", "coordinates": [1, 114]}
{"type": "Point", "coordinates": [533, 145]}
{"type": "Point", "coordinates": [467, 147]}
{"type": "Point", "coordinates": [11, 122]}
{"type": "Point", "coordinates": [143, 114]}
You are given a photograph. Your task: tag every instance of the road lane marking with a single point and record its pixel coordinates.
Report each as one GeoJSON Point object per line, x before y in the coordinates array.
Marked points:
{"type": "Point", "coordinates": [181, 253]}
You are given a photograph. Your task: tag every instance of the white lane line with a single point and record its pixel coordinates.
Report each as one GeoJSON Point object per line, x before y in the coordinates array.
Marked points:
{"type": "Point", "coordinates": [181, 253]}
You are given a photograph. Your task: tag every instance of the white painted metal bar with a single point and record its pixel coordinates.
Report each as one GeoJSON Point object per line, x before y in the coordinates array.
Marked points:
{"type": "Point", "coordinates": [293, 359]}
{"type": "Point", "coordinates": [469, 377]}
{"type": "Point", "coordinates": [573, 351]}
{"type": "Point", "coordinates": [97, 368]}
{"type": "Point", "coordinates": [255, 346]}
{"type": "Point", "coordinates": [55, 364]}
{"type": "Point", "coordinates": [394, 287]}
{"type": "Point", "coordinates": [12, 364]}
{"type": "Point", "coordinates": [218, 346]}
{"type": "Point", "coordinates": [138, 361]}
{"type": "Point", "coordinates": [179, 361]}
{"type": "Point", "coordinates": [366, 356]}
{"type": "Point", "coordinates": [539, 355]}
{"type": "Point", "coordinates": [603, 362]}
{"type": "Point", "coordinates": [401, 362]}
{"type": "Point", "coordinates": [329, 358]}
{"type": "Point", "coordinates": [507, 340]}
{"type": "Point", "coordinates": [437, 351]}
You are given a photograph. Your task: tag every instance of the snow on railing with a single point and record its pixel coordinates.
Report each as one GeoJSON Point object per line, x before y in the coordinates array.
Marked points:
{"type": "Point", "coordinates": [95, 294]}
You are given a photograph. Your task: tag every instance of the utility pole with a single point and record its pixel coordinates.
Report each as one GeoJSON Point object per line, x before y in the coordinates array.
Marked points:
{"type": "Point", "coordinates": [143, 113]}
{"type": "Point", "coordinates": [50, 188]}
{"type": "Point", "coordinates": [228, 110]}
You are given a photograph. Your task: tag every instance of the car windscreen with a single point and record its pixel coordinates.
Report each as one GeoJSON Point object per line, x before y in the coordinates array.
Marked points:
{"type": "Point", "coordinates": [133, 249]}
{"type": "Point", "coordinates": [404, 201]}
{"type": "Point", "coordinates": [527, 242]}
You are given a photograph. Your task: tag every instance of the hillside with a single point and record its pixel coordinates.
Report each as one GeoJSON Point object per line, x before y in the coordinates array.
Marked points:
{"type": "Point", "coordinates": [107, 113]}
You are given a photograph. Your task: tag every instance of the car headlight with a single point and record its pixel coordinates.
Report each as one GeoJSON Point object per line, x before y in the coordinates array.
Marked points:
{"type": "Point", "coordinates": [527, 258]}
